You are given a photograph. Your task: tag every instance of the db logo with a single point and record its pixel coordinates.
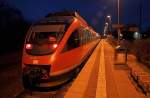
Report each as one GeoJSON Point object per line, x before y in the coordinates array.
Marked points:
{"type": "Point", "coordinates": [35, 61]}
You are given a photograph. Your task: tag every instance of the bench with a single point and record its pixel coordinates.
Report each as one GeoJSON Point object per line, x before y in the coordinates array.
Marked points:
{"type": "Point", "coordinates": [141, 77]}
{"type": "Point", "coordinates": [144, 83]}
{"type": "Point", "coordinates": [136, 72]}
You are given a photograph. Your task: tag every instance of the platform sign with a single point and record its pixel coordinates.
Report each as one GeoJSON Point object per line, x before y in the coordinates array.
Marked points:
{"type": "Point", "coordinates": [117, 25]}
{"type": "Point", "coordinates": [133, 29]}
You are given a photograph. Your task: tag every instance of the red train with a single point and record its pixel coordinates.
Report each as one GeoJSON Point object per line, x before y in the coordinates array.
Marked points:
{"type": "Point", "coordinates": [54, 47]}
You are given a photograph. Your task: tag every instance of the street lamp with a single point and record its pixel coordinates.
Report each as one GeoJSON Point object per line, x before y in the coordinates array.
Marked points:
{"type": "Point", "coordinates": [106, 24]}
{"type": "Point", "coordinates": [108, 16]}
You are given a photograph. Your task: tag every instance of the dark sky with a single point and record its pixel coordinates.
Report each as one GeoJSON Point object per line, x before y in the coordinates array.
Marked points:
{"type": "Point", "coordinates": [94, 11]}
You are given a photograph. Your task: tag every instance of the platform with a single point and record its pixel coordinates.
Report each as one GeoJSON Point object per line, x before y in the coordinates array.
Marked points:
{"type": "Point", "coordinates": [101, 78]}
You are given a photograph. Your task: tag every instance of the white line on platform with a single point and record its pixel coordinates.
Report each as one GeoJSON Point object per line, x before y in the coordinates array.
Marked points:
{"type": "Point", "coordinates": [101, 84]}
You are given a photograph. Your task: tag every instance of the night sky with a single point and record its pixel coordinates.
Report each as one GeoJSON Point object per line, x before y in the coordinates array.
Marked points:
{"type": "Point", "coordinates": [94, 11]}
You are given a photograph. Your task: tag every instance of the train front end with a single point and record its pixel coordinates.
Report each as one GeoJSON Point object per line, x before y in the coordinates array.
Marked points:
{"type": "Point", "coordinates": [40, 47]}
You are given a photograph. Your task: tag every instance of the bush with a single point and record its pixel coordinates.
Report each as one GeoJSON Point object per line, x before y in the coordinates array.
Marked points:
{"type": "Point", "coordinates": [139, 48]}
{"type": "Point", "coordinates": [143, 51]}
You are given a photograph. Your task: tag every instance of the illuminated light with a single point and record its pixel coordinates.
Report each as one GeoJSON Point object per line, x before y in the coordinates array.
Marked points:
{"type": "Point", "coordinates": [97, 34]}
{"type": "Point", "coordinates": [108, 16]}
{"type": "Point", "coordinates": [53, 57]}
{"type": "Point", "coordinates": [75, 20]}
{"type": "Point", "coordinates": [136, 35]}
{"type": "Point", "coordinates": [28, 46]}
{"type": "Point", "coordinates": [106, 24]}
{"type": "Point", "coordinates": [55, 46]}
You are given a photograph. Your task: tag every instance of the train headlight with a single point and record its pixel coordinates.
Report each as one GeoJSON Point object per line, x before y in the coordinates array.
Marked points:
{"type": "Point", "coordinates": [55, 46]}
{"type": "Point", "coordinates": [28, 46]}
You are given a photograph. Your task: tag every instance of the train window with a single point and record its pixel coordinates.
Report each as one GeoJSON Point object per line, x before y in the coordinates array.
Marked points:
{"type": "Point", "coordinates": [88, 35]}
{"type": "Point", "coordinates": [42, 43]}
{"type": "Point", "coordinates": [91, 37]}
{"type": "Point", "coordinates": [44, 39]}
{"type": "Point", "coordinates": [83, 36]}
{"type": "Point", "coordinates": [73, 41]}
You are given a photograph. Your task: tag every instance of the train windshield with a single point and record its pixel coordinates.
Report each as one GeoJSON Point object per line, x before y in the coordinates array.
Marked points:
{"type": "Point", "coordinates": [44, 39]}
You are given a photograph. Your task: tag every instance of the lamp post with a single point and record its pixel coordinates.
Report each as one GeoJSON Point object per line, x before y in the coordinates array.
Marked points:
{"type": "Point", "coordinates": [118, 12]}
{"type": "Point", "coordinates": [140, 23]}
{"type": "Point", "coordinates": [109, 23]}
{"type": "Point", "coordinates": [105, 29]}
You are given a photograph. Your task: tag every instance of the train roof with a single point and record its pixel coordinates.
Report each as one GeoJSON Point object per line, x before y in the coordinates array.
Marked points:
{"type": "Point", "coordinates": [63, 13]}
{"type": "Point", "coordinates": [61, 17]}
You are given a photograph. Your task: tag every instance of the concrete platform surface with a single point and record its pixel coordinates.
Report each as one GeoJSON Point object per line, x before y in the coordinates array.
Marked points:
{"type": "Point", "coordinates": [101, 78]}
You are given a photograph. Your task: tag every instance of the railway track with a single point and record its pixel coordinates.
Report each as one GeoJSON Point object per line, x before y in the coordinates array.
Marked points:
{"type": "Point", "coordinates": [58, 93]}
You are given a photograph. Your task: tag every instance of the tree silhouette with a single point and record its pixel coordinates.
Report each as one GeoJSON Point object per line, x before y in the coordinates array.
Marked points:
{"type": "Point", "coordinates": [12, 28]}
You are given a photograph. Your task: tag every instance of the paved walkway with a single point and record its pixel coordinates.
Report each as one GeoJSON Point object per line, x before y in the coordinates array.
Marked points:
{"type": "Point", "coordinates": [85, 84]}
{"type": "Point", "coordinates": [101, 78]}
{"type": "Point", "coordinates": [118, 82]}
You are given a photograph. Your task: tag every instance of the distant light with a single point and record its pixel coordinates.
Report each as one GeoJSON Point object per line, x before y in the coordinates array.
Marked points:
{"type": "Point", "coordinates": [106, 24]}
{"type": "Point", "coordinates": [108, 16]}
{"type": "Point", "coordinates": [97, 34]}
{"type": "Point", "coordinates": [104, 34]}
{"type": "Point", "coordinates": [75, 20]}
{"type": "Point", "coordinates": [121, 35]}
{"type": "Point", "coordinates": [136, 35]}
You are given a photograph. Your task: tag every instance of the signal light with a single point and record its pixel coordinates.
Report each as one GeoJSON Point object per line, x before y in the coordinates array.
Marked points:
{"type": "Point", "coordinates": [28, 46]}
